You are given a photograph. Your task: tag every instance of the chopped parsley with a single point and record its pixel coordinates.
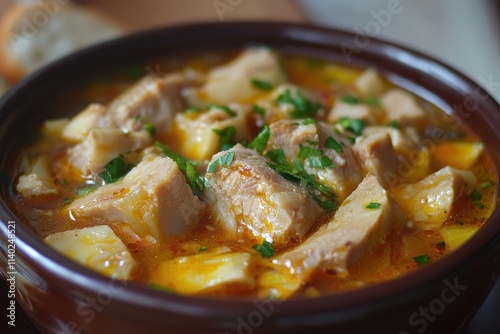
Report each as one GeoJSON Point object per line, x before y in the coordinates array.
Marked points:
{"type": "Point", "coordinates": [393, 124]}
{"type": "Point", "coordinates": [302, 107]}
{"type": "Point", "coordinates": [223, 161]}
{"type": "Point", "coordinates": [67, 200]}
{"type": "Point", "coordinates": [225, 109]}
{"type": "Point", "coordinates": [259, 110]}
{"type": "Point", "coordinates": [138, 118]}
{"type": "Point", "coordinates": [316, 158]}
{"type": "Point", "coordinates": [277, 156]}
{"type": "Point", "coordinates": [422, 259]}
{"type": "Point", "coordinates": [202, 249]}
{"type": "Point", "coordinates": [440, 244]}
{"type": "Point", "coordinates": [195, 181]}
{"type": "Point", "coordinates": [333, 144]}
{"type": "Point", "coordinates": [86, 190]}
{"type": "Point", "coordinates": [116, 169]}
{"type": "Point", "coordinates": [261, 84]}
{"type": "Point", "coordinates": [459, 222]}
{"type": "Point", "coordinates": [150, 128]}
{"type": "Point", "coordinates": [372, 101]}
{"type": "Point", "coordinates": [226, 137]}
{"type": "Point", "coordinates": [486, 185]}
{"type": "Point", "coordinates": [161, 287]}
{"type": "Point", "coordinates": [373, 205]}
{"type": "Point", "coordinates": [193, 109]}
{"type": "Point", "coordinates": [265, 249]}
{"type": "Point", "coordinates": [353, 125]}
{"type": "Point", "coordinates": [308, 121]}
{"type": "Point", "coordinates": [349, 99]}
{"type": "Point", "coordinates": [260, 142]}
{"type": "Point", "coordinates": [476, 198]}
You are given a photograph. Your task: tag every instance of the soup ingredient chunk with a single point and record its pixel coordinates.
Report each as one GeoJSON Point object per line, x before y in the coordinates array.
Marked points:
{"type": "Point", "coordinates": [361, 222]}
{"type": "Point", "coordinates": [247, 197]}
{"type": "Point", "coordinates": [196, 273]}
{"type": "Point", "coordinates": [96, 247]}
{"type": "Point", "coordinates": [153, 198]}
{"type": "Point", "coordinates": [429, 202]}
{"type": "Point", "coordinates": [403, 108]}
{"type": "Point", "coordinates": [37, 178]}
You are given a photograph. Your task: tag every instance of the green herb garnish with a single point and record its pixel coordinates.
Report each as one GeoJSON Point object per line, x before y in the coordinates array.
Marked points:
{"type": "Point", "coordinates": [67, 200]}
{"type": "Point", "coordinates": [261, 84]}
{"type": "Point", "coordinates": [302, 108]}
{"type": "Point", "coordinates": [277, 156]}
{"type": "Point", "coordinates": [422, 259]}
{"type": "Point", "coordinates": [138, 118]}
{"type": "Point", "coordinates": [308, 121]}
{"type": "Point", "coordinates": [226, 137]}
{"type": "Point", "coordinates": [265, 249]}
{"type": "Point", "coordinates": [333, 144]}
{"type": "Point", "coordinates": [353, 125]}
{"type": "Point", "coordinates": [349, 99]}
{"type": "Point", "coordinates": [260, 142]}
{"type": "Point", "coordinates": [225, 109]}
{"type": "Point", "coordinates": [393, 124]}
{"type": "Point", "coordinates": [373, 205]}
{"type": "Point", "coordinates": [223, 161]}
{"type": "Point", "coordinates": [150, 128]}
{"type": "Point", "coordinates": [202, 249]}
{"type": "Point", "coordinates": [476, 198]}
{"type": "Point", "coordinates": [193, 109]}
{"type": "Point", "coordinates": [116, 169]}
{"type": "Point", "coordinates": [459, 222]}
{"type": "Point", "coordinates": [372, 101]}
{"type": "Point", "coordinates": [259, 110]}
{"type": "Point", "coordinates": [440, 244]}
{"type": "Point", "coordinates": [85, 191]}
{"type": "Point", "coordinates": [315, 157]}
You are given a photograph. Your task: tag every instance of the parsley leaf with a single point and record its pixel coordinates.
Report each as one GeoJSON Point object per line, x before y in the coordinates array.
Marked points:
{"type": "Point", "coordinates": [225, 109]}
{"type": "Point", "coordinates": [277, 156]}
{"type": "Point", "coordinates": [226, 137]}
{"type": "Point", "coordinates": [393, 124]}
{"type": "Point", "coordinates": [315, 157]}
{"type": "Point", "coordinates": [86, 190]}
{"type": "Point", "coordinates": [202, 249]}
{"type": "Point", "coordinates": [261, 84]}
{"type": "Point", "coordinates": [265, 249]}
{"type": "Point", "coordinates": [333, 144]}
{"type": "Point", "coordinates": [149, 127]}
{"type": "Point", "coordinates": [373, 205]}
{"type": "Point", "coordinates": [195, 181]}
{"type": "Point", "coordinates": [302, 108]}
{"type": "Point", "coordinates": [260, 142]}
{"type": "Point", "coordinates": [440, 244]}
{"type": "Point", "coordinates": [116, 169]}
{"type": "Point", "coordinates": [372, 101]}
{"type": "Point", "coordinates": [223, 161]}
{"type": "Point", "coordinates": [476, 198]}
{"type": "Point", "coordinates": [422, 259]}
{"type": "Point", "coordinates": [192, 109]}
{"type": "Point", "coordinates": [353, 125]}
{"type": "Point", "coordinates": [349, 99]}
{"type": "Point", "coordinates": [259, 110]}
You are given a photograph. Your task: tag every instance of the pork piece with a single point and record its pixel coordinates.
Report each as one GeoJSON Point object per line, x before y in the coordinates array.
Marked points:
{"type": "Point", "coordinates": [250, 199]}
{"type": "Point", "coordinates": [233, 82]}
{"type": "Point", "coordinates": [370, 83]}
{"type": "Point", "coordinates": [196, 137]}
{"type": "Point", "coordinates": [153, 198]}
{"type": "Point", "coordinates": [378, 156]}
{"type": "Point", "coordinates": [402, 107]}
{"type": "Point", "coordinates": [361, 222]}
{"type": "Point", "coordinates": [96, 247]}
{"type": "Point", "coordinates": [347, 171]}
{"type": "Point", "coordinates": [429, 202]}
{"type": "Point", "coordinates": [36, 179]}
{"type": "Point", "coordinates": [197, 273]}
{"type": "Point", "coordinates": [359, 111]}
{"type": "Point", "coordinates": [78, 128]}
{"type": "Point", "coordinates": [103, 145]}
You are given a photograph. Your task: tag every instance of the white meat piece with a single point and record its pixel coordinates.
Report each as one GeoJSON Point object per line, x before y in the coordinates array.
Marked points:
{"type": "Point", "coordinates": [36, 179]}
{"type": "Point", "coordinates": [359, 111]}
{"type": "Point", "coordinates": [79, 126]}
{"type": "Point", "coordinates": [347, 173]}
{"type": "Point", "coordinates": [429, 202]}
{"type": "Point", "coordinates": [349, 235]}
{"type": "Point", "coordinates": [153, 198]}
{"type": "Point", "coordinates": [402, 107]}
{"type": "Point", "coordinates": [370, 83]}
{"type": "Point", "coordinates": [404, 141]}
{"type": "Point", "coordinates": [103, 145]}
{"type": "Point", "coordinates": [249, 200]}
{"type": "Point", "coordinates": [378, 156]}
{"type": "Point", "coordinates": [97, 248]}
{"type": "Point", "coordinates": [232, 82]}
{"type": "Point", "coordinates": [197, 139]}
{"type": "Point", "coordinates": [197, 273]}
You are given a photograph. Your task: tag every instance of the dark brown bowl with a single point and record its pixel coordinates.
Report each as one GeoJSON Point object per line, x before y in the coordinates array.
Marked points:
{"type": "Point", "coordinates": [63, 296]}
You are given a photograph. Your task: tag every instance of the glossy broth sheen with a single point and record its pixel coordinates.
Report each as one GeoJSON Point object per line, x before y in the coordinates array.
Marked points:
{"type": "Point", "coordinates": [403, 249]}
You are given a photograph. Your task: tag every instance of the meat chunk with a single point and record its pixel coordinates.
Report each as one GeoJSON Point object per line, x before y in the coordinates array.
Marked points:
{"type": "Point", "coordinates": [361, 222]}
{"type": "Point", "coordinates": [233, 81]}
{"type": "Point", "coordinates": [346, 172]}
{"type": "Point", "coordinates": [402, 107]}
{"type": "Point", "coordinates": [250, 199]}
{"type": "Point", "coordinates": [96, 247]}
{"type": "Point", "coordinates": [104, 144]}
{"type": "Point", "coordinates": [370, 83]}
{"type": "Point", "coordinates": [197, 273]}
{"type": "Point", "coordinates": [429, 202]}
{"type": "Point", "coordinates": [358, 111]}
{"type": "Point", "coordinates": [153, 198]}
{"type": "Point", "coordinates": [79, 126]}
{"type": "Point", "coordinates": [37, 179]}
{"type": "Point", "coordinates": [378, 156]}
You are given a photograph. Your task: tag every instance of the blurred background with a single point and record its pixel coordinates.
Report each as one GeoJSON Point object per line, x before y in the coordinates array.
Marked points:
{"type": "Point", "coordinates": [462, 33]}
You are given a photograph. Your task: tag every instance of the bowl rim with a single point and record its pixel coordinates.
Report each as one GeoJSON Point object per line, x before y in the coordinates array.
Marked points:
{"type": "Point", "coordinates": [84, 280]}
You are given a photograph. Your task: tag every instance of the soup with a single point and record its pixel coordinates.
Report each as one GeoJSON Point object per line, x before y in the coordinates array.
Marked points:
{"type": "Point", "coordinates": [254, 175]}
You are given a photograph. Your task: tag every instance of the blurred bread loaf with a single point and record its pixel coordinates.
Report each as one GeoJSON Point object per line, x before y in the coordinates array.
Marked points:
{"type": "Point", "coordinates": [34, 35]}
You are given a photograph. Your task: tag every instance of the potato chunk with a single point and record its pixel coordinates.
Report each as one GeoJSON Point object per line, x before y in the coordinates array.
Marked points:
{"type": "Point", "coordinates": [96, 247]}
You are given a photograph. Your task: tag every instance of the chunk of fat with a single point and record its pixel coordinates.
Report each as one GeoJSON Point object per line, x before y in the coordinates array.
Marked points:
{"type": "Point", "coordinates": [403, 107]}
{"type": "Point", "coordinates": [36, 179]}
{"type": "Point", "coordinates": [378, 156]}
{"type": "Point", "coordinates": [79, 126]}
{"type": "Point", "coordinates": [359, 111]}
{"type": "Point", "coordinates": [196, 137]}
{"type": "Point", "coordinates": [153, 198]}
{"type": "Point", "coordinates": [370, 83]}
{"type": "Point", "coordinates": [429, 202]}
{"type": "Point", "coordinates": [250, 200]}
{"type": "Point", "coordinates": [347, 173]}
{"type": "Point", "coordinates": [232, 82]}
{"type": "Point", "coordinates": [96, 247]}
{"type": "Point", "coordinates": [353, 230]}
{"type": "Point", "coordinates": [196, 273]}
{"type": "Point", "coordinates": [103, 145]}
